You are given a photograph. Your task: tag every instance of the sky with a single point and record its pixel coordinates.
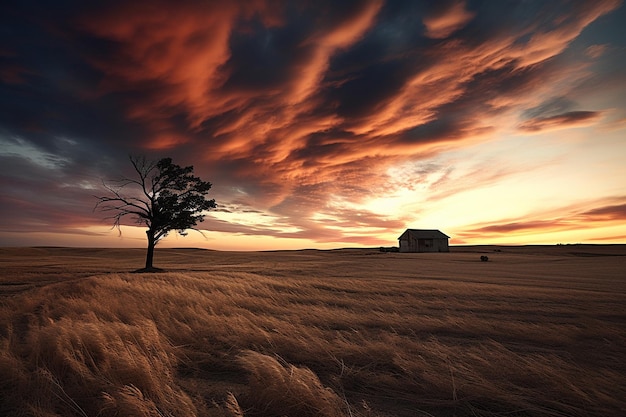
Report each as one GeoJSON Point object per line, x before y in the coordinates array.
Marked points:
{"type": "Point", "coordinates": [321, 124]}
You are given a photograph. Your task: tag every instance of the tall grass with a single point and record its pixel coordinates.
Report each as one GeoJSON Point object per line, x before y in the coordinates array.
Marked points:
{"type": "Point", "coordinates": [316, 334]}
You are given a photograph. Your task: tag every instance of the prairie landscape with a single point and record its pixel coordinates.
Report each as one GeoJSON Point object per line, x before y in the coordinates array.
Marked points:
{"type": "Point", "coordinates": [536, 331]}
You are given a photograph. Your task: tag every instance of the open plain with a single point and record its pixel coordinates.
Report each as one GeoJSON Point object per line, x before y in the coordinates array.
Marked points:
{"type": "Point", "coordinates": [536, 331]}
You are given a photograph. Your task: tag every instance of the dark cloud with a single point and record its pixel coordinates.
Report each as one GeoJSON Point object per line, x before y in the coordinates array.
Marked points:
{"type": "Point", "coordinates": [614, 238]}
{"type": "Point", "coordinates": [612, 212]}
{"type": "Point", "coordinates": [520, 226]}
{"type": "Point", "coordinates": [262, 58]}
{"type": "Point", "coordinates": [362, 94]}
{"type": "Point", "coordinates": [560, 121]}
{"type": "Point", "coordinates": [44, 194]}
{"type": "Point", "coordinates": [550, 108]}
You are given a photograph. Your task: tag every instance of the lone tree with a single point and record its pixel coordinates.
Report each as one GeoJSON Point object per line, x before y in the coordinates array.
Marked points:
{"type": "Point", "coordinates": [164, 197]}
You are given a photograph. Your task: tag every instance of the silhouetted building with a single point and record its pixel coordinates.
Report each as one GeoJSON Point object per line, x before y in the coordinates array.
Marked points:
{"type": "Point", "coordinates": [423, 240]}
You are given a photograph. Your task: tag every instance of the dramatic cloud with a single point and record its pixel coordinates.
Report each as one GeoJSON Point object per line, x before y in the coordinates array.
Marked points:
{"type": "Point", "coordinates": [560, 121]}
{"type": "Point", "coordinates": [445, 19]}
{"type": "Point", "coordinates": [520, 226]}
{"type": "Point", "coordinates": [596, 51]}
{"type": "Point", "coordinates": [613, 212]}
{"type": "Point", "coordinates": [306, 116]}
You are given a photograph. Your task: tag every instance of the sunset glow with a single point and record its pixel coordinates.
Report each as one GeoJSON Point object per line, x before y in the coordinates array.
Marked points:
{"type": "Point", "coordinates": [320, 124]}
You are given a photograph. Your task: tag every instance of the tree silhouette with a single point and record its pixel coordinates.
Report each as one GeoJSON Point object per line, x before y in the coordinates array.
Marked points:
{"type": "Point", "coordinates": [164, 197]}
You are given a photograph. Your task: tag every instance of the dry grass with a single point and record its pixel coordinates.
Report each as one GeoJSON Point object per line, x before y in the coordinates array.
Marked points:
{"type": "Point", "coordinates": [537, 331]}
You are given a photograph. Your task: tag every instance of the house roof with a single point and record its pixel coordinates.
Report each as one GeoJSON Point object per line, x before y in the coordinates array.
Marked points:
{"type": "Point", "coordinates": [424, 234]}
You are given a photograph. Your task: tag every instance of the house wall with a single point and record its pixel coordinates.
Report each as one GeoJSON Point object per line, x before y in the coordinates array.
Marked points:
{"type": "Point", "coordinates": [425, 245]}
{"type": "Point", "coordinates": [411, 244]}
{"type": "Point", "coordinates": [441, 245]}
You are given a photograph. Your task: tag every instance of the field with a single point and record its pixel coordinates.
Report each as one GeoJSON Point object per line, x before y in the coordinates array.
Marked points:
{"type": "Point", "coordinates": [536, 331]}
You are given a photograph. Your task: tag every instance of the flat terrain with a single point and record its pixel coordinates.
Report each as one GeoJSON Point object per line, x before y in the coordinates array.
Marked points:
{"type": "Point", "coordinates": [536, 331]}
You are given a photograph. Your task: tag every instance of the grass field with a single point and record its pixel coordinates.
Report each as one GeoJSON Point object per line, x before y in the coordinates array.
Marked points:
{"type": "Point", "coordinates": [536, 331]}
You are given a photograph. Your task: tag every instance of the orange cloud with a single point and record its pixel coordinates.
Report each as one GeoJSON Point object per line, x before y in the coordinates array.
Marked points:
{"type": "Point", "coordinates": [513, 227]}
{"type": "Point", "coordinates": [606, 213]}
{"type": "Point", "coordinates": [443, 23]}
{"type": "Point", "coordinates": [323, 44]}
{"type": "Point", "coordinates": [165, 141]}
{"type": "Point", "coordinates": [188, 52]}
{"type": "Point", "coordinates": [546, 43]}
{"type": "Point", "coordinates": [596, 51]}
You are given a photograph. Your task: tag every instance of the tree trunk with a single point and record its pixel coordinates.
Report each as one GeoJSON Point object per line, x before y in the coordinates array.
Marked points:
{"type": "Point", "coordinates": [150, 253]}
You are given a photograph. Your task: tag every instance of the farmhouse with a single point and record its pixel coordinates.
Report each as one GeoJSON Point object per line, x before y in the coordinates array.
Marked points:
{"type": "Point", "coordinates": [423, 240]}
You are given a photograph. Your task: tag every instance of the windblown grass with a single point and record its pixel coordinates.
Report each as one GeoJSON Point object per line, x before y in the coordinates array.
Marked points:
{"type": "Point", "coordinates": [534, 332]}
